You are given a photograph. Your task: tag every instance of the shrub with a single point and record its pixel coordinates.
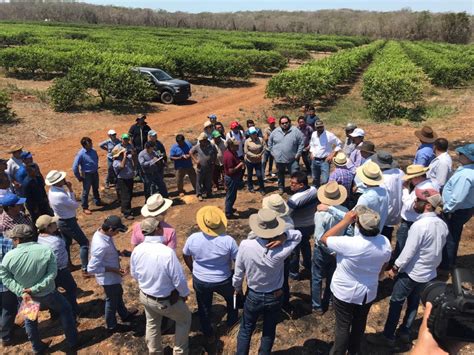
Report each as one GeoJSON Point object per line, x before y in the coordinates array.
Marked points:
{"type": "Point", "coordinates": [6, 113]}
{"type": "Point", "coordinates": [67, 92]}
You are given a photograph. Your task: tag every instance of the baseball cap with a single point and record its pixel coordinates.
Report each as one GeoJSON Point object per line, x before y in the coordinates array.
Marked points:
{"type": "Point", "coordinates": [216, 134]}
{"type": "Point", "coordinates": [44, 221]}
{"type": "Point", "coordinates": [125, 136]}
{"type": "Point", "coordinates": [234, 124]}
{"type": "Point", "coordinates": [252, 130]}
{"type": "Point", "coordinates": [152, 133]}
{"type": "Point", "coordinates": [11, 200]}
{"type": "Point", "coordinates": [21, 231]}
{"type": "Point", "coordinates": [358, 132]}
{"type": "Point", "coordinates": [212, 116]}
{"type": "Point", "coordinates": [115, 223]}
{"type": "Point", "coordinates": [26, 155]}
{"type": "Point", "coordinates": [429, 195]}
{"type": "Point", "coordinates": [149, 225]}
{"type": "Point", "coordinates": [271, 119]}
{"type": "Point", "coordinates": [368, 218]}
{"type": "Point", "coordinates": [111, 132]}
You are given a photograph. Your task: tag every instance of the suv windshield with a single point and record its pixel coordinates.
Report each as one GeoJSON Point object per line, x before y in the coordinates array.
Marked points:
{"type": "Point", "coordinates": [160, 75]}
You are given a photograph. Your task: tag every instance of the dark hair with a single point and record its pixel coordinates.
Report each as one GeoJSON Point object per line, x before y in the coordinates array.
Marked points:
{"type": "Point", "coordinates": [179, 137]}
{"type": "Point", "coordinates": [373, 233]}
{"type": "Point", "coordinates": [300, 177]}
{"type": "Point", "coordinates": [85, 140]}
{"type": "Point", "coordinates": [218, 123]}
{"type": "Point", "coordinates": [302, 118]}
{"type": "Point", "coordinates": [250, 122]}
{"type": "Point", "coordinates": [441, 144]}
{"type": "Point", "coordinates": [311, 108]}
{"type": "Point", "coordinates": [149, 144]}
{"type": "Point", "coordinates": [284, 116]}
{"type": "Point", "coordinates": [106, 227]}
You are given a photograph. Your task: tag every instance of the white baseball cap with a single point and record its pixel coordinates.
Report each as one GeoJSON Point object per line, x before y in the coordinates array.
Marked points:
{"type": "Point", "coordinates": [358, 132]}
{"type": "Point", "coordinates": [111, 131]}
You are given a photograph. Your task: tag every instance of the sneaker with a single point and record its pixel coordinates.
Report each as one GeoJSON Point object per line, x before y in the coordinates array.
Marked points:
{"type": "Point", "coordinates": [381, 340]}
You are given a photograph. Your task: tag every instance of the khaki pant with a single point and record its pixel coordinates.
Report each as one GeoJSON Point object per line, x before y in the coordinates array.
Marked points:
{"type": "Point", "coordinates": [181, 173]}
{"type": "Point", "coordinates": [155, 311]}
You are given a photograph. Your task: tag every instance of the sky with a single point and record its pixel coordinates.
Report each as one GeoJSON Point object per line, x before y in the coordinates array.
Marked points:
{"type": "Point", "coordinates": [195, 6]}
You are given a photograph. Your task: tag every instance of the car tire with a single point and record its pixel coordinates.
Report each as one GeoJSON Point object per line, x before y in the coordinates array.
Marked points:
{"type": "Point", "coordinates": [166, 97]}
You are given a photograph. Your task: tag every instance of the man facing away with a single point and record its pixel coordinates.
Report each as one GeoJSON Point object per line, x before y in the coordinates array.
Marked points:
{"type": "Point", "coordinates": [440, 167]}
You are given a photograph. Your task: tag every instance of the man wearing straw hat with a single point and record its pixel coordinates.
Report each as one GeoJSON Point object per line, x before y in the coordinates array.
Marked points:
{"type": "Point", "coordinates": [209, 255]}
{"type": "Point", "coordinates": [163, 288]}
{"type": "Point", "coordinates": [63, 202]}
{"type": "Point", "coordinates": [262, 260]}
{"type": "Point", "coordinates": [14, 163]}
{"type": "Point", "coordinates": [425, 154]}
{"type": "Point", "coordinates": [342, 174]}
{"type": "Point", "coordinates": [324, 261]}
{"type": "Point", "coordinates": [124, 170]}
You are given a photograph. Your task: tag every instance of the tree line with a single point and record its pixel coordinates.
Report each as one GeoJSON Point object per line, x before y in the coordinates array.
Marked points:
{"type": "Point", "coordinates": [403, 24]}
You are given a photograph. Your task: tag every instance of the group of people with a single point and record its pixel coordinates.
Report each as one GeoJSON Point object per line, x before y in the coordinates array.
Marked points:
{"type": "Point", "coordinates": [357, 198]}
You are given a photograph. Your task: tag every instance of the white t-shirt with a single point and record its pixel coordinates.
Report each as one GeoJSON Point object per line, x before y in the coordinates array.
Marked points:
{"type": "Point", "coordinates": [359, 261]}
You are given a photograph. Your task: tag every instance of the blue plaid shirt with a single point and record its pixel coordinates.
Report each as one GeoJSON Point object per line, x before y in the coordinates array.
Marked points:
{"type": "Point", "coordinates": [7, 245]}
{"type": "Point", "coordinates": [344, 177]}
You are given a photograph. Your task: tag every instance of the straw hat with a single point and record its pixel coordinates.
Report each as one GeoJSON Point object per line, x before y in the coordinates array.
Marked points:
{"type": "Point", "coordinates": [426, 134]}
{"type": "Point", "coordinates": [276, 203]}
{"type": "Point", "coordinates": [340, 159]}
{"type": "Point", "coordinates": [207, 124]}
{"type": "Point", "coordinates": [44, 221]}
{"type": "Point", "coordinates": [202, 137]}
{"type": "Point", "coordinates": [332, 194]}
{"type": "Point", "coordinates": [155, 205]}
{"type": "Point", "coordinates": [53, 177]}
{"type": "Point", "coordinates": [370, 174]}
{"type": "Point", "coordinates": [117, 151]}
{"type": "Point", "coordinates": [211, 220]}
{"type": "Point", "coordinates": [266, 224]}
{"type": "Point", "coordinates": [414, 171]}
{"type": "Point", "coordinates": [14, 148]}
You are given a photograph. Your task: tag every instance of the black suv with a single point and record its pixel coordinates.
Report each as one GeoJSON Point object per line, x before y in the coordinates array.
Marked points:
{"type": "Point", "coordinates": [169, 90]}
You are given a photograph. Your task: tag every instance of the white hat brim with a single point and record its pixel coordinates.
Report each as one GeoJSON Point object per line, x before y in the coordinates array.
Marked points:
{"type": "Point", "coordinates": [266, 233]}
{"type": "Point", "coordinates": [147, 213]}
{"type": "Point", "coordinates": [61, 177]}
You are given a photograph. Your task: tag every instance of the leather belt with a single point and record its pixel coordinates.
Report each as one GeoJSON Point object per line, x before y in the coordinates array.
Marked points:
{"type": "Point", "coordinates": [158, 299]}
{"type": "Point", "coordinates": [320, 159]}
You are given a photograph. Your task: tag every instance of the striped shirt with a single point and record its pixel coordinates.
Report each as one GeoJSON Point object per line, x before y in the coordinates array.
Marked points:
{"type": "Point", "coordinates": [6, 245]}
{"type": "Point", "coordinates": [7, 222]}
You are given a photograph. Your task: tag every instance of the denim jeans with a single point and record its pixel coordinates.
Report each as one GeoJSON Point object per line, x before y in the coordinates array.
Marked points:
{"type": "Point", "coordinates": [258, 171]}
{"type": "Point", "coordinates": [404, 289]}
{"type": "Point", "coordinates": [306, 157]}
{"type": "Point", "coordinates": [65, 280]}
{"type": "Point", "coordinates": [57, 303]}
{"type": "Point", "coordinates": [320, 172]}
{"type": "Point", "coordinates": [259, 304]}
{"type": "Point", "coordinates": [204, 181]}
{"type": "Point", "coordinates": [304, 248]}
{"type": "Point", "coordinates": [111, 177]}
{"type": "Point", "coordinates": [70, 230]}
{"type": "Point", "coordinates": [114, 304]}
{"type": "Point", "coordinates": [402, 235]}
{"type": "Point", "coordinates": [232, 184]}
{"type": "Point", "coordinates": [323, 267]}
{"type": "Point", "coordinates": [351, 320]}
{"type": "Point", "coordinates": [455, 222]}
{"type": "Point", "coordinates": [154, 183]}
{"type": "Point", "coordinates": [204, 294]}
{"type": "Point", "coordinates": [90, 180]}
{"type": "Point", "coordinates": [9, 308]}
{"type": "Point", "coordinates": [282, 168]}
{"type": "Point", "coordinates": [267, 157]}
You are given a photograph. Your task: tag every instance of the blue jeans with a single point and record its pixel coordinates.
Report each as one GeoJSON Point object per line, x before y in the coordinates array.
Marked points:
{"type": "Point", "coordinates": [232, 184]}
{"type": "Point", "coordinates": [267, 157]}
{"type": "Point", "coordinates": [282, 168]}
{"type": "Point", "coordinates": [111, 177]}
{"type": "Point", "coordinates": [9, 308]}
{"type": "Point", "coordinates": [58, 304]}
{"type": "Point", "coordinates": [402, 235]}
{"type": "Point", "coordinates": [90, 180]}
{"type": "Point", "coordinates": [65, 280]}
{"type": "Point", "coordinates": [154, 183]}
{"type": "Point", "coordinates": [258, 171]}
{"type": "Point", "coordinates": [404, 289]}
{"type": "Point", "coordinates": [204, 294]}
{"type": "Point", "coordinates": [320, 172]}
{"type": "Point", "coordinates": [70, 230]}
{"type": "Point", "coordinates": [455, 222]}
{"type": "Point", "coordinates": [305, 248]}
{"type": "Point", "coordinates": [259, 304]}
{"type": "Point", "coordinates": [323, 267]}
{"type": "Point", "coordinates": [114, 304]}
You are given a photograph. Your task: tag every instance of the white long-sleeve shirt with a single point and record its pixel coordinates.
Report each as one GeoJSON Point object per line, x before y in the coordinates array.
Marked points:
{"type": "Point", "coordinates": [423, 250]}
{"type": "Point", "coordinates": [104, 255]}
{"type": "Point", "coordinates": [408, 199]}
{"type": "Point", "coordinates": [440, 169]}
{"type": "Point", "coordinates": [263, 267]}
{"type": "Point", "coordinates": [157, 269]}
{"type": "Point", "coordinates": [323, 145]}
{"type": "Point", "coordinates": [392, 182]}
{"type": "Point", "coordinates": [62, 202]}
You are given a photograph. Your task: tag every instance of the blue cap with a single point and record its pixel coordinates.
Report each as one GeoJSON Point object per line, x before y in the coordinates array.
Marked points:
{"type": "Point", "coordinates": [212, 116]}
{"type": "Point", "coordinates": [467, 150]}
{"type": "Point", "coordinates": [252, 130]}
{"type": "Point", "coordinates": [11, 200]}
{"type": "Point", "coordinates": [26, 155]}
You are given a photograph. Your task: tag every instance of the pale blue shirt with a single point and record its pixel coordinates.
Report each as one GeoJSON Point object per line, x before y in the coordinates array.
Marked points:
{"type": "Point", "coordinates": [424, 155]}
{"type": "Point", "coordinates": [458, 193]}
{"type": "Point", "coordinates": [323, 221]}
{"type": "Point", "coordinates": [440, 169]}
{"type": "Point", "coordinates": [212, 256]}
{"type": "Point", "coordinates": [58, 246]}
{"type": "Point", "coordinates": [104, 254]}
{"type": "Point", "coordinates": [157, 269]}
{"type": "Point", "coordinates": [423, 250]}
{"type": "Point", "coordinates": [376, 198]}
{"type": "Point", "coordinates": [263, 267]}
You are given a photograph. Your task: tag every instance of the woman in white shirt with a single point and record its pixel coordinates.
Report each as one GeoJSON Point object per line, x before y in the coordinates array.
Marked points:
{"type": "Point", "coordinates": [360, 259]}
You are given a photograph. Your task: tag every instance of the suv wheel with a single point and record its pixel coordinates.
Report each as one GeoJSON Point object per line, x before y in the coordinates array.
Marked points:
{"type": "Point", "coordinates": [167, 97]}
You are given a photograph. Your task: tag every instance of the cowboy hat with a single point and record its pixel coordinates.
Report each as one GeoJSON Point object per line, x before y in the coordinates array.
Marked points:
{"type": "Point", "coordinates": [211, 220]}
{"type": "Point", "coordinates": [202, 137]}
{"type": "Point", "coordinates": [332, 194]}
{"type": "Point", "coordinates": [14, 148]}
{"type": "Point", "coordinates": [370, 174]}
{"type": "Point", "coordinates": [155, 205]}
{"type": "Point", "coordinates": [426, 134]}
{"type": "Point", "coordinates": [277, 204]}
{"type": "Point", "coordinates": [384, 160]}
{"type": "Point", "coordinates": [340, 159]}
{"type": "Point", "coordinates": [414, 171]}
{"type": "Point", "coordinates": [117, 151]}
{"type": "Point", "coordinates": [53, 177]}
{"type": "Point", "coordinates": [266, 224]}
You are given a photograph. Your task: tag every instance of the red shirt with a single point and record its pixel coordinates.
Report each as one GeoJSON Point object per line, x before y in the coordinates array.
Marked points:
{"type": "Point", "coordinates": [231, 161]}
